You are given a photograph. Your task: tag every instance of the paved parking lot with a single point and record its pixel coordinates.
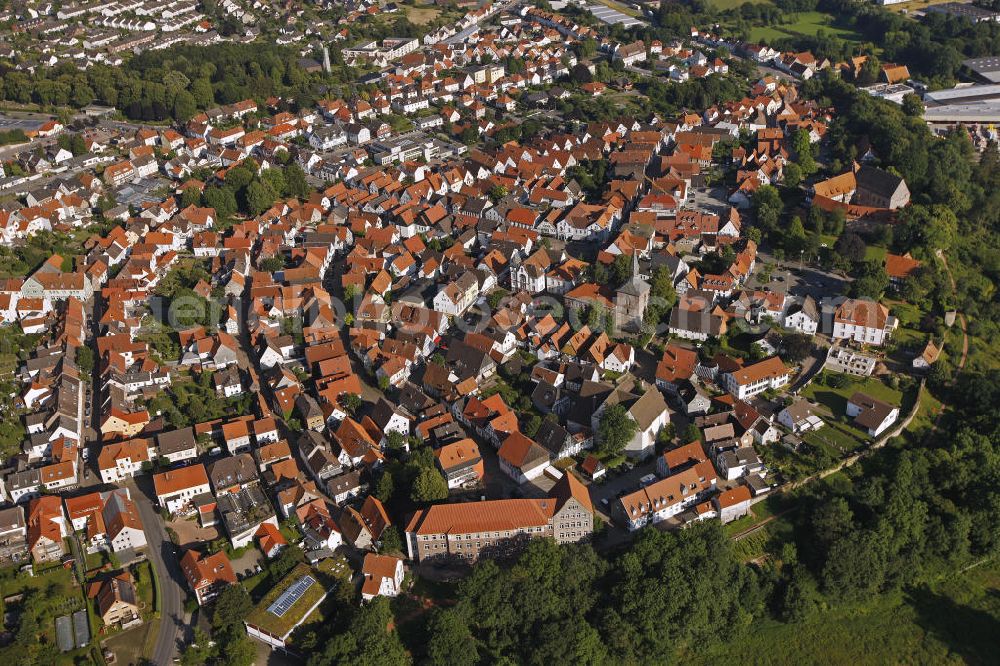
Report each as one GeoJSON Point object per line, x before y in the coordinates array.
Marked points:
{"type": "Point", "coordinates": [8, 123]}
{"type": "Point", "coordinates": [189, 532]}
{"type": "Point", "coordinates": [805, 281]}
{"type": "Point", "coordinates": [713, 199]}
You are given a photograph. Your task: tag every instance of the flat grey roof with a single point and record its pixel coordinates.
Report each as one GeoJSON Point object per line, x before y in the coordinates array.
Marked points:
{"type": "Point", "coordinates": [986, 64]}
{"type": "Point", "coordinates": [952, 95]}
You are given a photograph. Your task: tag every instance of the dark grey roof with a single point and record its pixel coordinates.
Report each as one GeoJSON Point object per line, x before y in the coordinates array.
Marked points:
{"type": "Point", "coordinates": [175, 441]}
{"type": "Point", "coordinates": [233, 470]}
{"type": "Point", "coordinates": [877, 180]}
{"type": "Point", "coordinates": [552, 436]}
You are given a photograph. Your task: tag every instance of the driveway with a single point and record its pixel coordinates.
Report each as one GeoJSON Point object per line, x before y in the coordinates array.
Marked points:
{"type": "Point", "coordinates": [811, 366]}
{"type": "Point", "coordinates": [168, 573]}
{"type": "Point", "coordinates": [614, 485]}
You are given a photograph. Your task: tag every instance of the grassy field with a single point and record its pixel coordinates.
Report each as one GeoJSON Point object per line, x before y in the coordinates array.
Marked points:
{"type": "Point", "coordinates": [805, 23]}
{"type": "Point", "coordinates": [421, 14]}
{"type": "Point", "coordinates": [954, 622]}
{"type": "Point", "coordinates": [723, 5]}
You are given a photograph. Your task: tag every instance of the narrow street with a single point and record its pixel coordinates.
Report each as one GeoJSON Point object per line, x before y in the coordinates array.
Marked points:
{"type": "Point", "coordinates": [173, 626]}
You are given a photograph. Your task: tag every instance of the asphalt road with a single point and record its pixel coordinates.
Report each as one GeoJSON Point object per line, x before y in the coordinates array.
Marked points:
{"type": "Point", "coordinates": [171, 580]}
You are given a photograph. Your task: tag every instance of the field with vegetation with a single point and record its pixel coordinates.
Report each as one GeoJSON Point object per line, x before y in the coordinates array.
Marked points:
{"type": "Point", "coordinates": [52, 592]}
{"type": "Point", "coordinates": [804, 23]}
{"type": "Point", "coordinates": [421, 14]}
{"type": "Point", "coordinates": [952, 622]}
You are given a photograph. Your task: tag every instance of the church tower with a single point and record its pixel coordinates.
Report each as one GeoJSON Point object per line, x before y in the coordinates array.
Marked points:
{"type": "Point", "coordinates": [631, 301]}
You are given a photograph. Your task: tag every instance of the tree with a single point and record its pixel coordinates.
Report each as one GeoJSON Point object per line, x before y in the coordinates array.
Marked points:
{"type": "Point", "coordinates": [395, 441]}
{"type": "Point", "coordinates": [85, 360]}
{"type": "Point", "coordinates": [913, 106]}
{"type": "Point", "coordinates": [451, 642]}
{"type": "Point", "coordinates": [581, 74]}
{"type": "Point", "coordinates": [801, 596]}
{"type": "Point", "coordinates": [621, 269]}
{"type": "Point", "coordinates": [199, 652]}
{"type": "Point", "coordinates": [804, 152]}
{"type": "Point", "coordinates": [532, 426]}
{"type": "Point", "coordinates": [850, 247]}
{"type": "Point", "coordinates": [295, 180]}
{"type": "Point", "coordinates": [260, 197]}
{"type": "Point", "coordinates": [792, 175]}
{"type": "Point", "coordinates": [240, 651]}
{"type": "Point", "coordinates": [692, 433]}
{"type": "Point", "coordinates": [928, 227]}
{"type": "Point", "coordinates": [351, 402]}
{"type": "Point", "coordinates": [795, 237]}
{"type": "Point", "coordinates": [615, 429]}
{"type": "Point", "coordinates": [222, 199]}
{"type": "Point", "coordinates": [290, 557]}
{"type": "Point", "coordinates": [367, 641]}
{"type": "Point", "coordinates": [185, 106]}
{"type": "Point", "coordinates": [391, 540]}
{"type": "Point", "coordinates": [231, 607]}
{"type": "Point", "coordinates": [767, 206]}
{"type": "Point", "coordinates": [496, 296]}
{"type": "Point", "coordinates": [469, 135]}
{"type": "Point", "coordinates": [429, 486]}
{"type": "Point", "coordinates": [191, 196]}
{"type": "Point", "coordinates": [272, 264]}
{"type": "Point", "coordinates": [497, 192]}
{"type": "Point", "coordinates": [871, 282]}
{"type": "Point", "coordinates": [239, 177]}
{"type": "Point", "coordinates": [796, 346]}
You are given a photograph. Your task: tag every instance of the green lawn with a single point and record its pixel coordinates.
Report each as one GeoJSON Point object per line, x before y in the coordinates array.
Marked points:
{"type": "Point", "coordinates": [875, 253]}
{"type": "Point", "coordinates": [835, 438]}
{"type": "Point", "coordinates": [954, 622]}
{"type": "Point", "coordinates": [143, 574]}
{"type": "Point", "coordinates": [758, 512]}
{"type": "Point", "coordinates": [835, 399]}
{"type": "Point", "coordinates": [926, 414]}
{"type": "Point", "coordinates": [804, 23]}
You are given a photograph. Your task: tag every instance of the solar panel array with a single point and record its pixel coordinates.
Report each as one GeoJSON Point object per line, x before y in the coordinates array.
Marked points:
{"type": "Point", "coordinates": [294, 592]}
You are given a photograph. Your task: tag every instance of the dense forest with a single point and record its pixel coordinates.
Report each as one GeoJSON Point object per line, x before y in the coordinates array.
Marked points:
{"type": "Point", "coordinates": [177, 82]}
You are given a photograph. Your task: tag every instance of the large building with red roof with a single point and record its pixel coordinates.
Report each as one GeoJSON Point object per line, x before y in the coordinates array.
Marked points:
{"type": "Point", "coordinates": [494, 528]}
